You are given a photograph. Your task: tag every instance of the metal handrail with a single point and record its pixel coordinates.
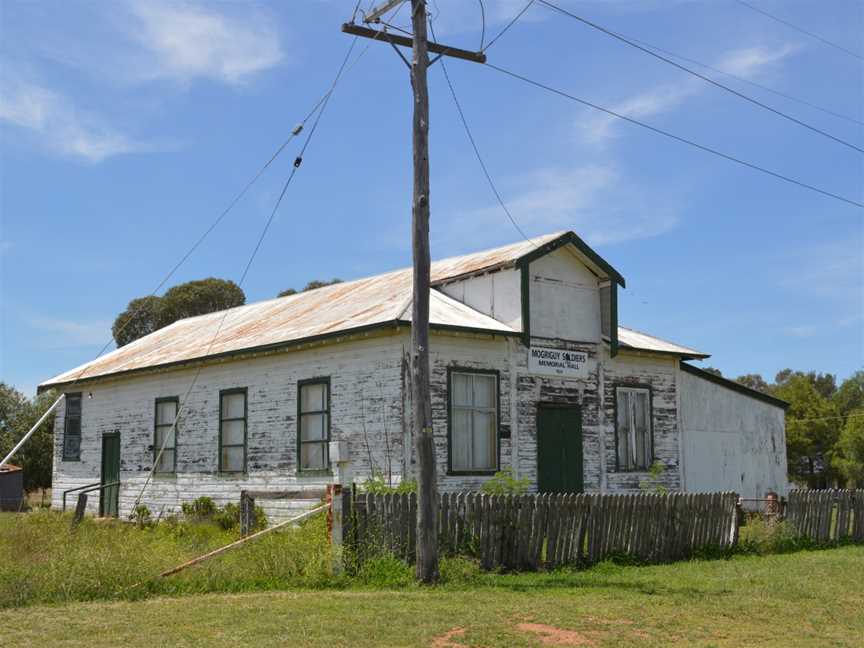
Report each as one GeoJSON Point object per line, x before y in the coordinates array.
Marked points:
{"type": "Point", "coordinates": [72, 490]}
{"type": "Point", "coordinates": [88, 488]}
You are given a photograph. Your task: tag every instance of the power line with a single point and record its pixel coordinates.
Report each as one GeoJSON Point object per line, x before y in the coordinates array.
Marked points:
{"type": "Point", "coordinates": [823, 418]}
{"type": "Point", "coordinates": [800, 29]}
{"type": "Point", "coordinates": [707, 79]}
{"type": "Point", "coordinates": [508, 25]}
{"type": "Point", "coordinates": [297, 162]}
{"type": "Point", "coordinates": [477, 150]}
{"type": "Point", "coordinates": [749, 81]}
{"type": "Point", "coordinates": [676, 137]}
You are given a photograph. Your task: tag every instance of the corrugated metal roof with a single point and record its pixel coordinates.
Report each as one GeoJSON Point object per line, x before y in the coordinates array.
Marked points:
{"type": "Point", "coordinates": [632, 339]}
{"type": "Point", "coordinates": [339, 308]}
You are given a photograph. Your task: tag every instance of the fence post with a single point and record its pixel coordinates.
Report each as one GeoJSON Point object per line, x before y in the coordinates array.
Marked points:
{"type": "Point", "coordinates": [80, 507]}
{"type": "Point", "coordinates": [335, 525]}
{"type": "Point", "coordinates": [247, 513]}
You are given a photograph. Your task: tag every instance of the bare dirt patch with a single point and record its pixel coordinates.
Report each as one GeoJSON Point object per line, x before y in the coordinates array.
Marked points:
{"type": "Point", "coordinates": [447, 639]}
{"type": "Point", "coordinates": [552, 636]}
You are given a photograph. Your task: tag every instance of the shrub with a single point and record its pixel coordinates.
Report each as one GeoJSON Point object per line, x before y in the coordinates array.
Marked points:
{"type": "Point", "coordinates": [377, 485]}
{"type": "Point", "coordinates": [504, 483]}
{"type": "Point", "coordinates": [385, 572]}
{"type": "Point", "coordinates": [140, 515]}
{"type": "Point", "coordinates": [202, 508]}
{"type": "Point", "coordinates": [652, 484]}
{"type": "Point", "coordinates": [459, 571]}
{"type": "Point", "coordinates": [228, 517]}
{"type": "Point", "coordinates": [760, 536]}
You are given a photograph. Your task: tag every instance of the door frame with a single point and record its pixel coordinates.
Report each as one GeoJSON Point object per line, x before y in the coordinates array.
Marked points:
{"type": "Point", "coordinates": [115, 489]}
{"type": "Point", "coordinates": [541, 405]}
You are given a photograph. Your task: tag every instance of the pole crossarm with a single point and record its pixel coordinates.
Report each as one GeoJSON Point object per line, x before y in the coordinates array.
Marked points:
{"type": "Point", "coordinates": [395, 39]}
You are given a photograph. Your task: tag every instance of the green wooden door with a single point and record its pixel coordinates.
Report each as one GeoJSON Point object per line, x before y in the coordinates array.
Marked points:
{"type": "Point", "coordinates": [110, 495]}
{"type": "Point", "coordinates": [559, 449]}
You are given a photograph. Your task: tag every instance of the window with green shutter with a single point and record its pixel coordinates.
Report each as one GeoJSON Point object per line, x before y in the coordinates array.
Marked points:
{"type": "Point", "coordinates": [633, 437]}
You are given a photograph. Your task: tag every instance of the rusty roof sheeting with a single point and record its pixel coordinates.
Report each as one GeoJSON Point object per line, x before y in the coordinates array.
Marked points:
{"type": "Point", "coordinates": [359, 304]}
{"type": "Point", "coordinates": [632, 339]}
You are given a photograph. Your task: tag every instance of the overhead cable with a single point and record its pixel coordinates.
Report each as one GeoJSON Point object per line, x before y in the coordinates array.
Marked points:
{"type": "Point", "coordinates": [677, 138]}
{"type": "Point", "coordinates": [801, 29]}
{"type": "Point", "coordinates": [699, 75]}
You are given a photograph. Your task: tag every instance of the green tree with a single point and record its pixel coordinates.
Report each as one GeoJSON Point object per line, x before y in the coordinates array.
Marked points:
{"type": "Point", "coordinates": [17, 415]}
{"type": "Point", "coordinates": [140, 318]}
{"type": "Point", "coordinates": [144, 315]}
{"type": "Point", "coordinates": [812, 429]}
{"type": "Point", "coordinates": [713, 371]}
{"type": "Point", "coordinates": [849, 453]}
{"type": "Point", "coordinates": [850, 395]}
{"type": "Point", "coordinates": [754, 381]}
{"type": "Point", "coordinates": [825, 384]}
{"type": "Point", "coordinates": [312, 285]}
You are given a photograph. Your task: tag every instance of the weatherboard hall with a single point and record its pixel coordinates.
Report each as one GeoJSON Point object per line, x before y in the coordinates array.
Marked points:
{"type": "Point", "coordinates": [531, 372]}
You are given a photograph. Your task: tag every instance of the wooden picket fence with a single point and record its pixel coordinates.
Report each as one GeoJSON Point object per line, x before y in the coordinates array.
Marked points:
{"type": "Point", "coordinates": [827, 516]}
{"type": "Point", "coordinates": [529, 532]}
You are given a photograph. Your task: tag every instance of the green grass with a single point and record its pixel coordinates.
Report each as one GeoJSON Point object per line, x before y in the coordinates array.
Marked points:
{"type": "Point", "coordinates": [806, 598]}
{"type": "Point", "coordinates": [93, 586]}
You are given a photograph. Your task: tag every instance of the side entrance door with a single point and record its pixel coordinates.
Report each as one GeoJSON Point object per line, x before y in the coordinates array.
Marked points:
{"type": "Point", "coordinates": [559, 449]}
{"type": "Point", "coordinates": [109, 497]}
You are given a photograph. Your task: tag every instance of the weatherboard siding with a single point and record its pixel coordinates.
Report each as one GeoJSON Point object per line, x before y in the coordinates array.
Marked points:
{"type": "Point", "coordinates": [369, 394]}
{"type": "Point", "coordinates": [660, 374]}
{"type": "Point", "coordinates": [366, 398]}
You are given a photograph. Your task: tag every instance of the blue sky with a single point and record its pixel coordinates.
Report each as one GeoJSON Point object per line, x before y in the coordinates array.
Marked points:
{"type": "Point", "coordinates": [127, 127]}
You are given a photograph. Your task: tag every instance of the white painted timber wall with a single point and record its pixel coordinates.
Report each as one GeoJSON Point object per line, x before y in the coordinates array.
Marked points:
{"type": "Point", "coordinates": [497, 294]}
{"type": "Point", "coordinates": [731, 441]}
{"type": "Point", "coordinates": [564, 298]}
{"type": "Point", "coordinates": [366, 400]}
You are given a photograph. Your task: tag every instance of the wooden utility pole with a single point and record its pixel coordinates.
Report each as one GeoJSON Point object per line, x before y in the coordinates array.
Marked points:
{"type": "Point", "coordinates": [424, 443]}
{"type": "Point", "coordinates": [427, 479]}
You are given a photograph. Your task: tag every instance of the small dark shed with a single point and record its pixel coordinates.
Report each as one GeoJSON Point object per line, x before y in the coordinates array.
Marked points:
{"type": "Point", "coordinates": [11, 487]}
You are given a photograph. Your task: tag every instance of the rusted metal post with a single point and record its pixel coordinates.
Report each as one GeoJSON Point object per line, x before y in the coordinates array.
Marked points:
{"type": "Point", "coordinates": [772, 506]}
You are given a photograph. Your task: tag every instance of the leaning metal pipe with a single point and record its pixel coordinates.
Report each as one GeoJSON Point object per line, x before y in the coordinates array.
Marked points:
{"type": "Point", "coordinates": [216, 552]}
{"type": "Point", "coordinates": [32, 430]}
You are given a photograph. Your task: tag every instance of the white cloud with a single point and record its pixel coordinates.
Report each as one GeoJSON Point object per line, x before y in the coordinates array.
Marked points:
{"type": "Point", "coordinates": [749, 62]}
{"type": "Point", "coordinates": [597, 201]}
{"type": "Point", "coordinates": [189, 40]}
{"type": "Point", "coordinates": [66, 333]}
{"type": "Point", "coordinates": [745, 62]}
{"type": "Point", "coordinates": [60, 126]}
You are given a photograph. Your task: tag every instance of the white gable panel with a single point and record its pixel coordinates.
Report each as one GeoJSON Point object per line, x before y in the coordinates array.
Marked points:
{"type": "Point", "coordinates": [564, 298]}
{"type": "Point", "coordinates": [497, 294]}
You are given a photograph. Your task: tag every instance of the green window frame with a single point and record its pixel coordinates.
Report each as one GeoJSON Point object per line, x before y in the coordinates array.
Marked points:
{"type": "Point", "coordinates": [163, 423]}
{"type": "Point", "coordinates": [72, 427]}
{"type": "Point", "coordinates": [634, 428]}
{"type": "Point", "coordinates": [467, 412]}
{"type": "Point", "coordinates": [313, 425]}
{"type": "Point", "coordinates": [233, 430]}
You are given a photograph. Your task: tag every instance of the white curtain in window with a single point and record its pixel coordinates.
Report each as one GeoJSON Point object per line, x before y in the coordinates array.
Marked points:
{"type": "Point", "coordinates": [473, 421]}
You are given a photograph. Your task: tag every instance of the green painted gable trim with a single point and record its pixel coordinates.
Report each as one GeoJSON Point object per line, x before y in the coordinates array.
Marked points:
{"type": "Point", "coordinates": [734, 386]}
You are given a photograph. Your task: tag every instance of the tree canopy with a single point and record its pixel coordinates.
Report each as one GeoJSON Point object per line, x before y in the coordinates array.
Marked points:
{"type": "Point", "coordinates": [823, 437]}
{"type": "Point", "coordinates": [312, 285]}
{"type": "Point", "coordinates": [144, 315]}
{"type": "Point", "coordinates": [17, 415]}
